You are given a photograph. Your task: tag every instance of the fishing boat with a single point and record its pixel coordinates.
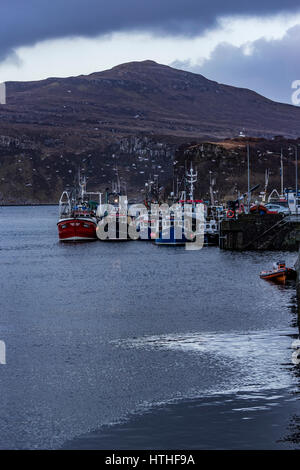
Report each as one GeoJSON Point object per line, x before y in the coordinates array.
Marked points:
{"type": "Point", "coordinates": [211, 233]}
{"type": "Point", "coordinates": [112, 216]}
{"type": "Point", "coordinates": [174, 229]}
{"type": "Point", "coordinates": [259, 208]}
{"type": "Point", "coordinates": [279, 273]}
{"type": "Point", "coordinates": [77, 215]}
{"type": "Point", "coordinates": [147, 226]}
{"type": "Point", "coordinates": [173, 235]}
{"type": "Point", "coordinates": [178, 231]}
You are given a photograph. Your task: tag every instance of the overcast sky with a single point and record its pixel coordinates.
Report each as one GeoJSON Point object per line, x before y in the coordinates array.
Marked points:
{"type": "Point", "coordinates": [253, 46]}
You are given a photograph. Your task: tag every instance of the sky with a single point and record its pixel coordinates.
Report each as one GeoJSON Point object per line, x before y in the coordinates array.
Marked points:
{"type": "Point", "coordinates": [247, 44]}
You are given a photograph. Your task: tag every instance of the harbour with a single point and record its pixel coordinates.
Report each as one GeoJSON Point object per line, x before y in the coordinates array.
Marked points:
{"type": "Point", "coordinates": [150, 231]}
{"type": "Point", "coordinates": [88, 317]}
{"type": "Point", "coordinates": [194, 320]}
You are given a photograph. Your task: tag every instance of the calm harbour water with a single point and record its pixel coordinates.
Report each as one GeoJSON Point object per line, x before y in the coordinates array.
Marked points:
{"type": "Point", "coordinates": [131, 345]}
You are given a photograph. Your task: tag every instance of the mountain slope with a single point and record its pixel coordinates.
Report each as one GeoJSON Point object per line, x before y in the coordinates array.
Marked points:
{"type": "Point", "coordinates": [133, 116]}
{"type": "Point", "coordinates": [146, 96]}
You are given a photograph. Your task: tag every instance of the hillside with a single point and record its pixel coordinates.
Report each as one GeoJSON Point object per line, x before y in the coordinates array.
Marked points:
{"type": "Point", "coordinates": [225, 164]}
{"type": "Point", "coordinates": [133, 116]}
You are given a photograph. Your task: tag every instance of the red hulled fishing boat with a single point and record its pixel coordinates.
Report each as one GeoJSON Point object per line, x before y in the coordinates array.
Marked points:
{"type": "Point", "coordinates": [77, 215]}
{"type": "Point", "coordinates": [78, 227]}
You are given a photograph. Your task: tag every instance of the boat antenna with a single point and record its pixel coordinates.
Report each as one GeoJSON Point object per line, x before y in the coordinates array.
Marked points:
{"type": "Point", "coordinates": [281, 175]}
{"type": "Point", "coordinates": [82, 184]}
{"type": "Point", "coordinates": [211, 182]}
{"type": "Point", "coordinates": [267, 176]}
{"type": "Point", "coordinates": [248, 164]}
{"type": "Point", "coordinates": [116, 185]}
{"type": "Point", "coordinates": [191, 178]}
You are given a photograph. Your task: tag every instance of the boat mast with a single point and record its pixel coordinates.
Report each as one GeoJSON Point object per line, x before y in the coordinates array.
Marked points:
{"type": "Point", "coordinates": [191, 177]}
{"type": "Point", "coordinates": [212, 198]}
{"type": "Point", "coordinates": [248, 162]}
{"type": "Point", "coordinates": [267, 175]}
{"type": "Point", "coordinates": [82, 185]}
{"type": "Point", "coordinates": [281, 175]}
{"type": "Point", "coordinates": [116, 185]}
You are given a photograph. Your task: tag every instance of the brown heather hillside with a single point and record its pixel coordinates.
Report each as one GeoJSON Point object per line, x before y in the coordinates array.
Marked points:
{"type": "Point", "coordinates": [134, 116]}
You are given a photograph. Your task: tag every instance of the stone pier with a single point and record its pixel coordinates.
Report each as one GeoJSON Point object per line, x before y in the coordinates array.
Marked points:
{"type": "Point", "coordinates": [260, 232]}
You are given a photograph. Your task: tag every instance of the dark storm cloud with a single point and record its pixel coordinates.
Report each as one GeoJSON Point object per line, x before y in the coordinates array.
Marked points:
{"type": "Point", "coordinates": [27, 22]}
{"type": "Point", "coordinates": [270, 68]}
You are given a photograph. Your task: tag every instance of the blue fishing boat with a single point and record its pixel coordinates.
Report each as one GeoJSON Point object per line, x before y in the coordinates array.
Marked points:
{"type": "Point", "coordinates": [175, 234]}
{"type": "Point", "coordinates": [171, 237]}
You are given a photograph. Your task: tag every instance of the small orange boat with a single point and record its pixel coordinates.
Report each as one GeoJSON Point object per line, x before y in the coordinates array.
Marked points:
{"type": "Point", "coordinates": [280, 273]}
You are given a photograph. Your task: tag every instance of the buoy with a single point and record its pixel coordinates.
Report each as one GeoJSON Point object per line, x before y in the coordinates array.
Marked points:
{"type": "Point", "coordinates": [230, 214]}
